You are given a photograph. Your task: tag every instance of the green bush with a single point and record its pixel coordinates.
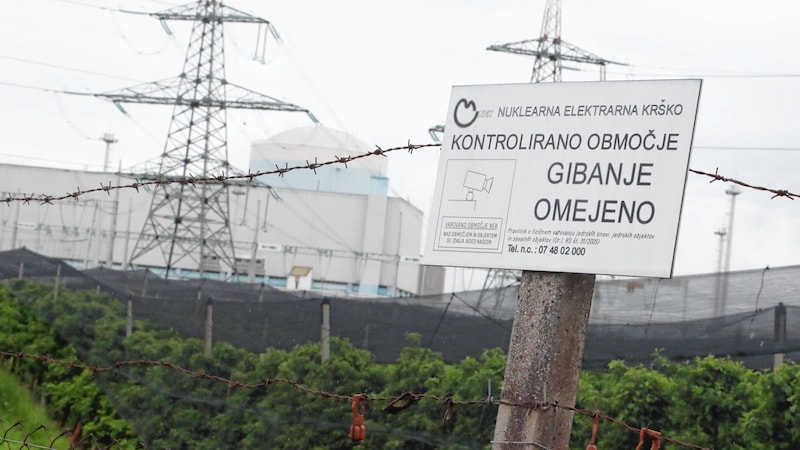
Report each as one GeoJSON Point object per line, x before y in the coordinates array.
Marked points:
{"type": "Point", "coordinates": [711, 402]}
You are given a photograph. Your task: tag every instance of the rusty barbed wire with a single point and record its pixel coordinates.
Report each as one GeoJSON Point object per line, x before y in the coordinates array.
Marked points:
{"type": "Point", "coordinates": [396, 403]}
{"type": "Point", "coordinates": [221, 178]}
{"type": "Point", "coordinates": [235, 384]}
{"type": "Point", "coordinates": [313, 166]}
{"type": "Point", "coordinates": [591, 414]}
{"type": "Point", "coordinates": [717, 177]}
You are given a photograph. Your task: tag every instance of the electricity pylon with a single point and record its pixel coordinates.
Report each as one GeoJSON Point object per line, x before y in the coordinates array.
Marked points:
{"type": "Point", "coordinates": [188, 224]}
{"type": "Point", "coordinates": [550, 51]}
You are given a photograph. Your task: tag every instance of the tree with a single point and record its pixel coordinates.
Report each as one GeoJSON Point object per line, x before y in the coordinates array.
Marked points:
{"type": "Point", "coordinates": [638, 396]}
{"type": "Point", "coordinates": [774, 421]}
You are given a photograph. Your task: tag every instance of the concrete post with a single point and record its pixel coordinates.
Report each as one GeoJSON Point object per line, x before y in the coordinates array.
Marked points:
{"type": "Point", "coordinates": [251, 275]}
{"type": "Point", "coordinates": [780, 335]}
{"type": "Point", "coordinates": [544, 360]}
{"type": "Point", "coordinates": [209, 326]}
{"type": "Point", "coordinates": [21, 269]}
{"type": "Point", "coordinates": [125, 255]}
{"type": "Point", "coordinates": [326, 330]}
{"type": "Point", "coordinates": [15, 230]}
{"type": "Point", "coordinates": [129, 318]}
{"type": "Point", "coordinates": [55, 284]}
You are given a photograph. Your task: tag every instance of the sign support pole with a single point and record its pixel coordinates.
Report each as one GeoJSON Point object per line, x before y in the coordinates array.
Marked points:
{"type": "Point", "coordinates": [544, 360]}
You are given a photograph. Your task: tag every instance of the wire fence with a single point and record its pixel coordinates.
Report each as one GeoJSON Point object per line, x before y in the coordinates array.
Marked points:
{"type": "Point", "coordinates": [754, 333]}
{"type": "Point", "coordinates": [141, 182]}
{"type": "Point", "coordinates": [66, 439]}
{"type": "Point", "coordinates": [649, 314]}
{"type": "Point", "coordinates": [685, 317]}
{"type": "Point", "coordinates": [212, 179]}
{"type": "Point", "coordinates": [717, 177]}
{"type": "Point", "coordinates": [393, 403]}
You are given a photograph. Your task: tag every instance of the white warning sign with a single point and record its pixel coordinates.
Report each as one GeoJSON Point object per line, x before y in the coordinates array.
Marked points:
{"type": "Point", "coordinates": [566, 177]}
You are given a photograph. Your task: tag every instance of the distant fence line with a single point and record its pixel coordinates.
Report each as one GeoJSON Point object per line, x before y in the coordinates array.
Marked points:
{"type": "Point", "coordinates": [256, 317]}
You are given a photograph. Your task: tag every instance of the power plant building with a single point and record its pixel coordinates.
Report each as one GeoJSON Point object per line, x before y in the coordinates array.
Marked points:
{"type": "Point", "coordinates": [334, 229]}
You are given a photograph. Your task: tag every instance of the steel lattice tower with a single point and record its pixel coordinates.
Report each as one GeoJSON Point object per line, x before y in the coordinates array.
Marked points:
{"type": "Point", "coordinates": [549, 50]}
{"type": "Point", "coordinates": [188, 223]}
{"type": "Point", "coordinates": [546, 68]}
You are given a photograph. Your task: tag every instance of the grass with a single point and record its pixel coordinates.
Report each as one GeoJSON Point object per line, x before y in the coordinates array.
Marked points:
{"type": "Point", "coordinates": [18, 405]}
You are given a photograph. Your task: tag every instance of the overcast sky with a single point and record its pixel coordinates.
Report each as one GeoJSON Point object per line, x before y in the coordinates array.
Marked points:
{"type": "Point", "coordinates": [383, 71]}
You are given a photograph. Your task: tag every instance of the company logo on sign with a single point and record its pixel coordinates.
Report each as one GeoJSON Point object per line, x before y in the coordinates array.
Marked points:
{"type": "Point", "coordinates": [465, 113]}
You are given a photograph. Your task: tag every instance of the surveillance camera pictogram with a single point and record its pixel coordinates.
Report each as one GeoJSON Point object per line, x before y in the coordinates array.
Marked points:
{"type": "Point", "coordinates": [475, 181]}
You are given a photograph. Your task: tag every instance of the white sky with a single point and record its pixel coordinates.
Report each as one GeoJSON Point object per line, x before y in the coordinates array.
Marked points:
{"type": "Point", "coordinates": [383, 72]}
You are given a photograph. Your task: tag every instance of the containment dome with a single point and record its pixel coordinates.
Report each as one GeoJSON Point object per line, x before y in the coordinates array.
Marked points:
{"type": "Point", "coordinates": [321, 144]}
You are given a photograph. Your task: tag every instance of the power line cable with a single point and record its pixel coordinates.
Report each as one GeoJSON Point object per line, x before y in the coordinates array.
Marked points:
{"type": "Point", "coordinates": [708, 75]}
{"type": "Point", "coordinates": [717, 72]}
{"type": "Point", "coordinates": [653, 308]}
{"type": "Point", "coordinates": [482, 314]}
{"type": "Point", "coordinates": [128, 42]}
{"type": "Point", "coordinates": [758, 297]}
{"type": "Point", "coordinates": [71, 69]}
{"type": "Point", "coordinates": [441, 319]}
{"type": "Point", "coordinates": [37, 88]}
{"type": "Point", "coordinates": [104, 8]}
{"type": "Point", "coordinates": [69, 121]}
